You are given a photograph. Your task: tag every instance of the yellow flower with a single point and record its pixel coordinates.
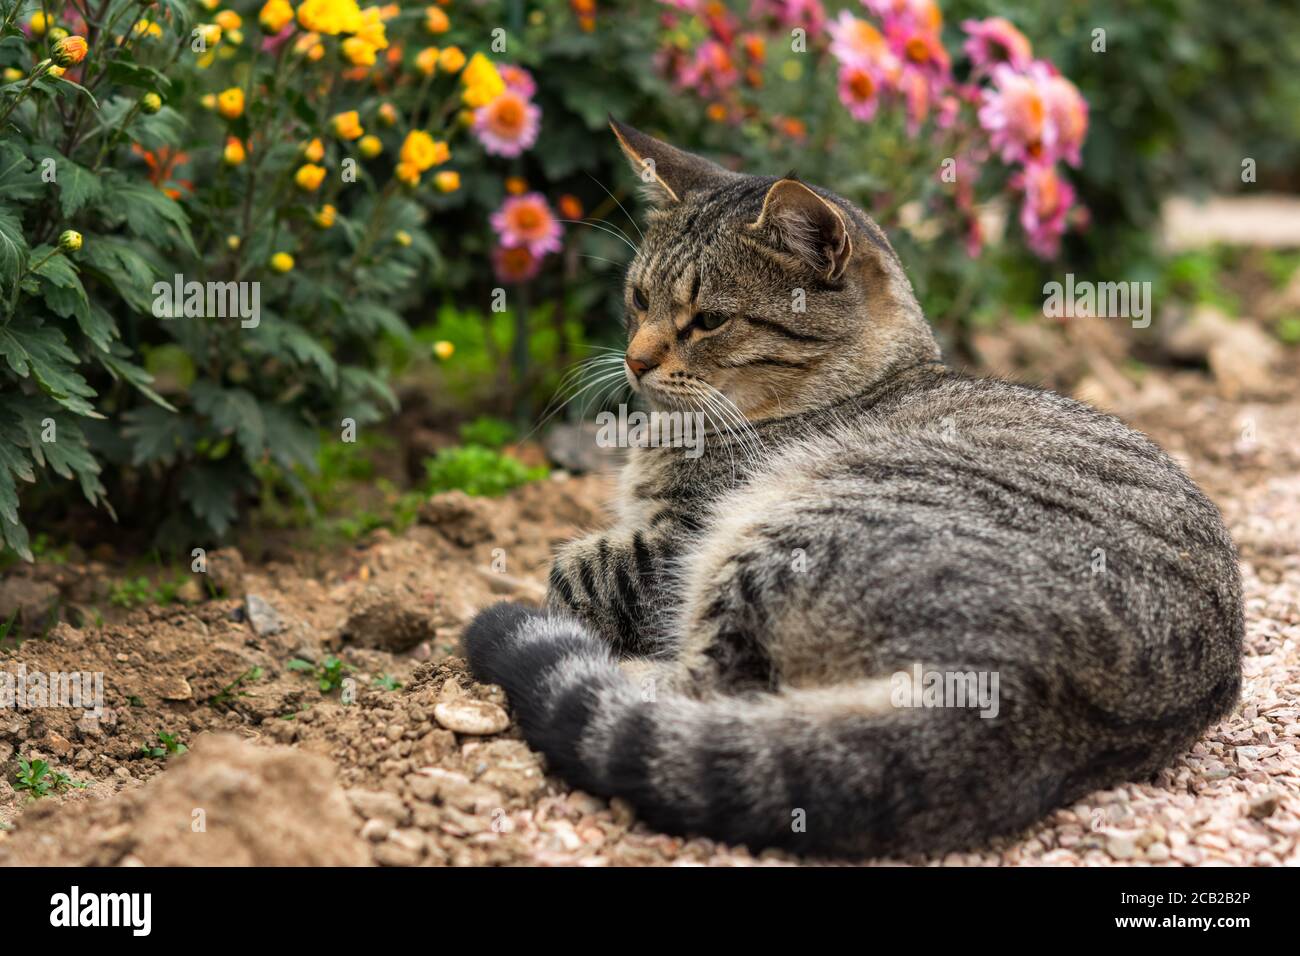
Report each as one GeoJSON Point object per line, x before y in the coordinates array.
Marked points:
{"type": "Point", "coordinates": [147, 28]}
{"type": "Point", "coordinates": [233, 154]}
{"type": "Point", "coordinates": [282, 262]}
{"type": "Point", "coordinates": [275, 15]}
{"type": "Point", "coordinates": [12, 74]}
{"type": "Point", "coordinates": [39, 23]}
{"type": "Point", "coordinates": [314, 151]}
{"type": "Point", "coordinates": [70, 240]}
{"type": "Point", "coordinates": [358, 52]}
{"type": "Point", "coordinates": [232, 243]}
{"type": "Point", "coordinates": [230, 103]}
{"type": "Point", "coordinates": [482, 82]}
{"type": "Point", "coordinates": [209, 101]}
{"type": "Point", "coordinates": [435, 20]}
{"type": "Point", "coordinates": [151, 103]}
{"type": "Point", "coordinates": [451, 59]}
{"type": "Point", "coordinates": [402, 237]}
{"type": "Point", "coordinates": [443, 349]}
{"type": "Point", "coordinates": [309, 177]}
{"type": "Point", "coordinates": [210, 33]}
{"type": "Point", "coordinates": [426, 61]}
{"type": "Point", "coordinates": [330, 17]}
{"type": "Point", "coordinates": [407, 173]}
{"type": "Point", "coordinates": [347, 125]}
{"type": "Point", "coordinates": [447, 181]}
{"type": "Point", "coordinates": [370, 146]}
{"type": "Point", "coordinates": [316, 52]}
{"type": "Point", "coordinates": [56, 71]}
{"type": "Point", "coordinates": [422, 151]}
{"type": "Point", "coordinates": [234, 37]}
{"type": "Point", "coordinates": [229, 20]}
{"type": "Point", "coordinates": [371, 29]}
{"type": "Point", "coordinates": [387, 114]}
{"type": "Point", "coordinates": [325, 218]}
{"type": "Point", "coordinates": [210, 4]}
{"type": "Point", "coordinates": [70, 51]}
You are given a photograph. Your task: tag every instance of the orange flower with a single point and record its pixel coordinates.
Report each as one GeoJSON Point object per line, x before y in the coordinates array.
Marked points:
{"type": "Point", "coordinates": [516, 185]}
{"type": "Point", "coordinates": [275, 15]}
{"type": "Point", "coordinates": [436, 21]}
{"type": "Point", "coordinates": [570, 206]}
{"type": "Point", "coordinates": [358, 52]}
{"type": "Point", "coordinates": [314, 151]}
{"type": "Point", "coordinates": [370, 146]}
{"type": "Point", "coordinates": [387, 114]}
{"type": "Point", "coordinates": [408, 173]}
{"type": "Point", "coordinates": [422, 151]}
{"type": "Point", "coordinates": [70, 51]}
{"type": "Point", "coordinates": [451, 59]}
{"type": "Point", "coordinates": [230, 103]}
{"type": "Point", "coordinates": [347, 125]}
{"type": "Point", "coordinates": [426, 61]}
{"type": "Point", "coordinates": [447, 181]}
{"type": "Point", "coordinates": [234, 153]}
{"type": "Point", "coordinates": [309, 177]}
{"type": "Point", "coordinates": [229, 20]}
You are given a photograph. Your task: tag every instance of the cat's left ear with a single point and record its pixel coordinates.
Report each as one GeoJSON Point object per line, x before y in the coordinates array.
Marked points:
{"type": "Point", "coordinates": [806, 225]}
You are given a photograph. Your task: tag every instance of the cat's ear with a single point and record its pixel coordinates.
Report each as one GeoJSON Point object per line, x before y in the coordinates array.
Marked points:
{"type": "Point", "coordinates": [669, 174]}
{"type": "Point", "coordinates": [807, 226]}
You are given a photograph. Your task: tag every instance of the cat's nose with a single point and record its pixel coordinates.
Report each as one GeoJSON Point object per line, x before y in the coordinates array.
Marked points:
{"type": "Point", "coordinates": [639, 366]}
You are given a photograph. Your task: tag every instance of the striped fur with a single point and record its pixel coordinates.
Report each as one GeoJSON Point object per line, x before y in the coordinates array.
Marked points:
{"type": "Point", "coordinates": [724, 656]}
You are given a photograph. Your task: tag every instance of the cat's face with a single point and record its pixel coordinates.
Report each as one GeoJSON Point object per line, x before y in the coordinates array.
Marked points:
{"type": "Point", "coordinates": [761, 291]}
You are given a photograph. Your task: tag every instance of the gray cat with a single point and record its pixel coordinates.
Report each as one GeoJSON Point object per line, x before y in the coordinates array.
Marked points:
{"type": "Point", "coordinates": [891, 608]}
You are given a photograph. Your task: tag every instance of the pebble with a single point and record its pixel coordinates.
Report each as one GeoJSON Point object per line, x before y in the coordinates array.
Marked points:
{"type": "Point", "coordinates": [264, 619]}
{"type": "Point", "coordinates": [467, 716]}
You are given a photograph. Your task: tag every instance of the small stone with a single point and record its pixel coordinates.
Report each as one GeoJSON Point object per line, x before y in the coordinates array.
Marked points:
{"type": "Point", "coordinates": [57, 744]}
{"type": "Point", "coordinates": [376, 830]}
{"type": "Point", "coordinates": [377, 804]}
{"type": "Point", "coordinates": [1121, 848]}
{"type": "Point", "coordinates": [265, 620]}
{"type": "Point", "coordinates": [175, 688]}
{"type": "Point", "coordinates": [1158, 852]}
{"type": "Point", "coordinates": [191, 592]}
{"type": "Point", "coordinates": [88, 726]}
{"type": "Point", "coordinates": [469, 716]}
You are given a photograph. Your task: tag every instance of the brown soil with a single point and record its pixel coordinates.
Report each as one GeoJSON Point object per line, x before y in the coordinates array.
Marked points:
{"type": "Point", "coordinates": [417, 775]}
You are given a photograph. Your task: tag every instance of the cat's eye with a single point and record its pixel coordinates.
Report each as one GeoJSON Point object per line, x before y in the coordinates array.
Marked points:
{"type": "Point", "coordinates": [711, 320]}
{"type": "Point", "coordinates": [639, 299]}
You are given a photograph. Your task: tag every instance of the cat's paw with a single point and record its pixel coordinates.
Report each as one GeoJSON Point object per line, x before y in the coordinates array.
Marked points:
{"type": "Point", "coordinates": [492, 636]}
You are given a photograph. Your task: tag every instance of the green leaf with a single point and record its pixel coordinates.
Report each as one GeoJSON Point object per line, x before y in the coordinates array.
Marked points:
{"type": "Point", "coordinates": [150, 213]}
{"type": "Point", "coordinates": [13, 248]}
{"type": "Point", "coordinates": [19, 178]}
{"type": "Point", "coordinates": [127, 73]}
{"type": "Point", "coordinates": [233, 411]}
{"type": "Point", "coordinates": [42, 352]}
{"type": "Point", "coordinates": [156, 434]}
{"type": "Point", "coordinates": [119, 265]}
{"type": "Point", "coordinates": [211, 492]}
{"type": "Point", "coordinates": [114, 357]}
{"type": "Point", "coordinates": [289, 441]}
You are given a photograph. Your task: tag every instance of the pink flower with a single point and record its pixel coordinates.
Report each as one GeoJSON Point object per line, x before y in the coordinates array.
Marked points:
{"type": "Point", "coordinates": [857, 41]}
{"type": "Point", "coordinates": [859, 91]}
{"type": "Point", "coordinates": [515, 264]}
{"type": "Point", "coordinates": [710, 71]}
{"type": "Point", "coordinates": [507, 125]}
{"type": "Point", "coordinates": [1014, 113]}
{"type": "Point", "coordinates": [527, 221]}
{"type": "Point", "coordinates": [519, 80]}
{"type": "Point", "coordinates": [1045, 209]}
{"type": "Point", "coordinates": [994, 41]}
{"type": "Point", "coordinates": [1067, 113]}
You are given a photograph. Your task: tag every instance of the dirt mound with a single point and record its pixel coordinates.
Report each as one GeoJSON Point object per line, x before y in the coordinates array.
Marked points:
{"type": "Point", "coordinates": [225, 803]}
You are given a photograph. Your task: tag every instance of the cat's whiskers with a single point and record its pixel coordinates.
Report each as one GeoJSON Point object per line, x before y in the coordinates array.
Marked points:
{"type": "Point", "coordinates": [605, 227]}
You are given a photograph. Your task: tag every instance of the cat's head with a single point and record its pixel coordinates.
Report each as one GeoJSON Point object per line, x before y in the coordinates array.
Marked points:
{"type": "Point", "coordinates": [778, 294]}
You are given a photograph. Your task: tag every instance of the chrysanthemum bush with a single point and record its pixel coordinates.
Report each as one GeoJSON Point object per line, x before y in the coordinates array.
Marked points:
{"type": "Point", "coordinates": [210, 218]}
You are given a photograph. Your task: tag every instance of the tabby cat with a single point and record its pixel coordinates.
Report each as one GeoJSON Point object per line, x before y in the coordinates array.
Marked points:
{"type": "Point", "coordinates": [742, 655]}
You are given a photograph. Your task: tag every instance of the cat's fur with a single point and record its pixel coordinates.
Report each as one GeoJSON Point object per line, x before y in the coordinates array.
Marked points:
{"type": "Point", "coordinates": [722, 657]}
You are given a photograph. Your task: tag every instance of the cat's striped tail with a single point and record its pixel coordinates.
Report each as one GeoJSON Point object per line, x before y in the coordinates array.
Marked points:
{"type": "Point", "coordinates": [836, 770]}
